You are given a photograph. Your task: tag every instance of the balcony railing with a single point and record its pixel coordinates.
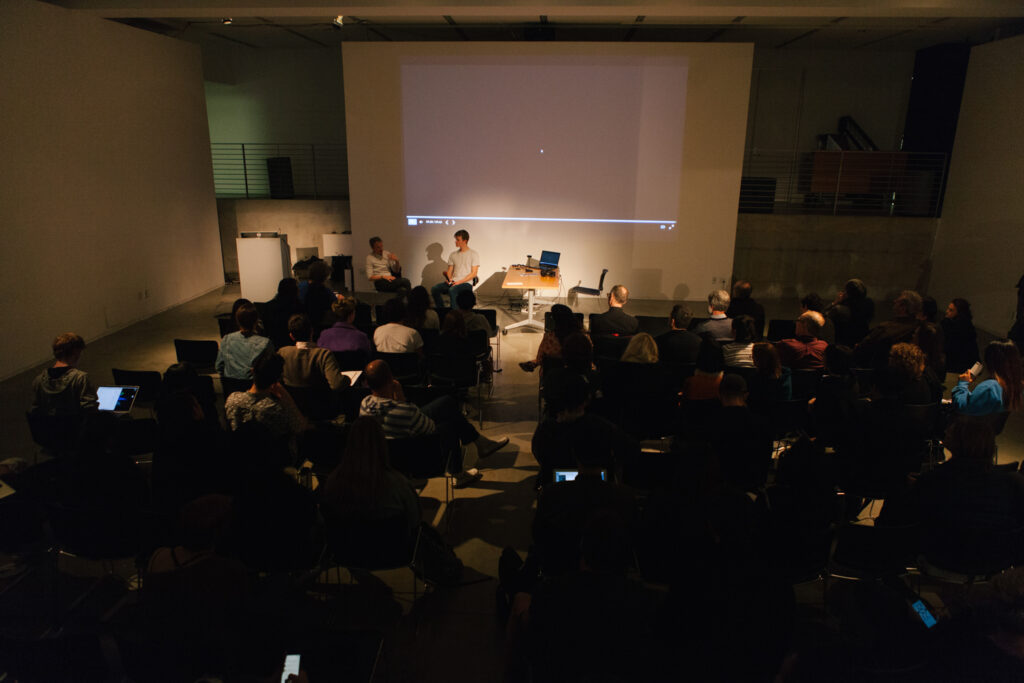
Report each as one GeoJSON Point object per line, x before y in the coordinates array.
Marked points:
{"type": "Point", "coordinates": [285, 171]}
{"type": "Point", "coordinates": [842, 183]}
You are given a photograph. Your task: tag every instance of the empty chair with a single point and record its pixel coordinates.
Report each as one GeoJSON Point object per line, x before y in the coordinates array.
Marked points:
{"type": "Point", "coordinates": [574, 292]}
{"type": "Point", "coordinates": [458, 374]}
{"type": "Point", "coordinates": [200, 353]}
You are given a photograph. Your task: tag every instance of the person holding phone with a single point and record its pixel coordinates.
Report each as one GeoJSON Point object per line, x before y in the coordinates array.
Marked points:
{"type": "Point", "coordinates": [1002, 391]}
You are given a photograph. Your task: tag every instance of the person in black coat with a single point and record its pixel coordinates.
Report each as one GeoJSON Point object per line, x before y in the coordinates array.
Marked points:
{"type": "Point", "coordinates": [615, 320]}
{"type": "Point", "coordinates": [678, 345]}
{"type": "Point", "coordinates": [959, 336]}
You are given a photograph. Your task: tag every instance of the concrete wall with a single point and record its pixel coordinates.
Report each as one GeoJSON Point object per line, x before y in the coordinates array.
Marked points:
{"type": "Point", "coordinates": [798, 94]}
{"type": "Point", "coordinates": [981, 234]}
{"type": "Point", "coordinates": [788, 256]}
{"type": "Point", "coordinates": [106, 188]}
{"type": "Point", "coordinates": [304, 221]}
{"type": "Point", "coordinates": [274, 96]}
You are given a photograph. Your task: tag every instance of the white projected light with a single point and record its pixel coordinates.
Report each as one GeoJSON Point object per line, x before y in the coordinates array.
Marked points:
{"type": "Point", "coordinates": [585, 142]}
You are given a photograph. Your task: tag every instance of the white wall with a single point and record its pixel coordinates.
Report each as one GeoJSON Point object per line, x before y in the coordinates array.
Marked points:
{"type": "Point", "coordinates": [277, 96]}
{"type": "Point", "coordinates": [716, 112]}
{"type": "Point", "coordinates": [980, 239]}
{"type": "Point", "coordinates": [106, 190]}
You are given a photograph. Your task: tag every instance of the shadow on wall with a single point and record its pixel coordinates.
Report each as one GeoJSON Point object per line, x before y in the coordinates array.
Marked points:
{"type": "Point", "coordinates": [433, 272]}
{"type": "Point", "coordinates": [681, 292]}
{"type": "Point", "coordinates": [490, 286]}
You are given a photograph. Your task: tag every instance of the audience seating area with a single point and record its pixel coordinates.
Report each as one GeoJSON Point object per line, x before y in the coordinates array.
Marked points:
{"type": "Point", "coordinates": [690, 531]}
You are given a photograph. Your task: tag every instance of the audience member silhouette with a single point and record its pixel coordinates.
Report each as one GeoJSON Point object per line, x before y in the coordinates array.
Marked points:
{"type": "Point", "coordinates": [959, 337]}
{"type": "Point", "coordinates": [1001, 392]}
{"type": "Point", "coordinates": [851, 312]}
{"type": "Point", "coordinates": [742, 303]}
{"type": "Point", "coordinates": [678, 345]}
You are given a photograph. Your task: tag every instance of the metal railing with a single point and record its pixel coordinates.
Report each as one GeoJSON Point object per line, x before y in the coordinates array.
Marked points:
{"type": "Point", "coordinates": [303, 171]}
{"type": "Point", "coordinates": [842, 183]}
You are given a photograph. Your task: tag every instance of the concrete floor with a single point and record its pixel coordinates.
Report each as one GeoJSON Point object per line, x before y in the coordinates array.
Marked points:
{"type": "Point", "coordinates": [494, 513]}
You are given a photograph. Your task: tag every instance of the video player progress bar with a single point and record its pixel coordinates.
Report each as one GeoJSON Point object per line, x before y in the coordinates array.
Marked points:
{"type": "Point", "coordinates": [411, 219]}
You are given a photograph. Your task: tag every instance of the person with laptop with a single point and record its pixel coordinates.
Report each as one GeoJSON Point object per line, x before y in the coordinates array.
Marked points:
{"type": "Point", "coordinates": [384, 270]}
{"type": "Point", "coordinates": [463, 267]}
{"type": "Point", "coordinates": [63, 389]}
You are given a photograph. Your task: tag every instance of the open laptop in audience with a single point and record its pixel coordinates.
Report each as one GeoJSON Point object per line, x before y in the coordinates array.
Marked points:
{"type": "Point", "coordinates": [117, 399]}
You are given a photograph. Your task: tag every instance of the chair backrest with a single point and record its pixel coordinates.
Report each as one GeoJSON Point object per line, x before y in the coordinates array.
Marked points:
{"type": "Point", "coordinates": [406, 367]}
{"type": "Point", "coordinates": [610, 346]}
{"type": "Point", "coordinates": [230, 385]}
{"type": "Point", "coordinates": [653, 325]}
{"type": "Point", "coordinates": [55, 432]}
{"type": "Point", "coordinates": [479, 342]}
{"type": "Point", "coordinates": [805, 382]}
{"type": "Point", "coordinates": [453, 372]}
{"type": "Point", "coordinates": [352, 360]}
{"type": "Point", "coordinates": [148, 382]}
{"type": "Point", "coordinates": [363, 543]}
{"type": "Point", "coordinates": [781, 329]}
{"type": "Point", "coordinates": [549, 323]}
{"type": "Point", "coordinates": [200, 353]}
{"type": "Point", "coordinates": [442, 311]}
{"type": "Point", "coordinates": [600, 283]}
{"type": "Point", "coordinates": [363, 316]}
{"type": "Point", "coordinates": [226, 324]}
{"type": "Point", "coordinates": [492, 318]}
{"type": "Point", "coordinates": [865, 379]}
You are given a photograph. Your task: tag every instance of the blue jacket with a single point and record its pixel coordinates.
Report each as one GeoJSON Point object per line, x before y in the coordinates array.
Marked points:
{"type": "Point", "coordinates": [987, 398]}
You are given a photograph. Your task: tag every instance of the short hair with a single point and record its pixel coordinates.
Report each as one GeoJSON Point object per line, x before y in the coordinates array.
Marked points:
{"type": "Point", "coordinates": [681, 315]}
{"type": "Point", "coordinates": [910, 301]}
{"type": "Point", "coordinates": [394, 310]}
{"type": "Point", "coordinates": [813, 302]}
{"type": "Point", "coordinates": [466, 300]}
{"type": "Point", "coordinates": [732, 385]}
{"type": "Point", "coordinates": [619, 293]}
{"type": "Point", "coordinates": [66, 345]}
{"type": "Point", "coordinates": [246, 317]}
{"type": "Point", "coordinates": [374, 240]}
{"type": "Point", "coordinates": [299, 327]}
{"type": "Point", "coordinates": [378, 374]}
{"type": "Point", "coordinates": [343, 308]}
{"type": "Point", "coordinates": [742, 289]}
{"type": "Point", "coordinates": [719, 300]}
{"type": "Point", "coordinates": [855, 288]}
{"type": "Point", "coordinates": [812, 322]}
{"type": "Point", "coordinates": [463, 234]}
{"type": "Point", "coordinates": [267, 370]}
{"type": "Point", "coordinates": [319, 272]}
{"type": "Point", "coordinates": [907, 361]}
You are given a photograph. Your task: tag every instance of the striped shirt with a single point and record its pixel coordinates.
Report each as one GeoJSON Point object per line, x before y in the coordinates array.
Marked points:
{"type": "Point", "coordinates": [399, 419]}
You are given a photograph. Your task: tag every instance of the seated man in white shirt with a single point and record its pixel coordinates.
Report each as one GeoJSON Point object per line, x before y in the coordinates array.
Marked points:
{"type": "Point", "coordinates": [381, 267]}
{"type": "Point", "coordinates": [392, 336]}
{"type": "Point", "coordinates": [463, 267]}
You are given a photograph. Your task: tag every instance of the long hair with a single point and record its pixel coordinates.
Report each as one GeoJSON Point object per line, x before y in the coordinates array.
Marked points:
{"type": "Point", "coordinates": [564, 321]}
{"type": "Point", "coordinates": [357, 481]}
{"type": "Point", "coordinates": [416, 309]}
{"type": "Point", "coordinates": [641, 349]}
{"type": "Point", "coordinates": [766, 360]}
{"type": "Point", "coordinates": [963, 309]}
{"type": "Point", "coordinates": [1003, 360]}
